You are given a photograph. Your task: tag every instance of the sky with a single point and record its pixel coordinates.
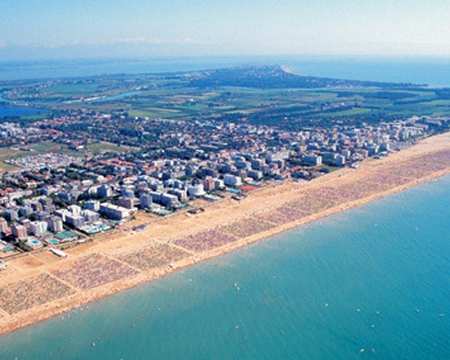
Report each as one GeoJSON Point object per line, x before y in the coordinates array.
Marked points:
{"type": "Point", "coordinates": [102, 28]}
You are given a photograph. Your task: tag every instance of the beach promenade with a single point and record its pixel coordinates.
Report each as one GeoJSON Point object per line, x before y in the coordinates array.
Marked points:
{"type": "Point", "coordinates": [37, 286]}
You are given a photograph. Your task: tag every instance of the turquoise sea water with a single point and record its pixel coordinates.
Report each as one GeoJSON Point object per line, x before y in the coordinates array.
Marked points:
{"type": "Point", "coordinates": [370, 283]}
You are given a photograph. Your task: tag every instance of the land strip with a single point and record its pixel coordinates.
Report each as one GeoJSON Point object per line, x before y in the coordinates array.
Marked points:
{"type": "Point", "coordinates": [38, 286]}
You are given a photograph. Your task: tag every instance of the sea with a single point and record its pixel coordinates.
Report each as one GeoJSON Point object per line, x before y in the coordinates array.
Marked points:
{"type": "Point", "coordinates": [369, 283]}
{"type": "Point", "coordinates": [421, 70]}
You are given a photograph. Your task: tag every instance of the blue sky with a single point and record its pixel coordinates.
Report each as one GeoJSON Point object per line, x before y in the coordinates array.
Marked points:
{"type": "Point", "coordinates": [231, 27]}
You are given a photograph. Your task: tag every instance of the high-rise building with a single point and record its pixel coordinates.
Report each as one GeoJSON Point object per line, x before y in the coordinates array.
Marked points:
{"type": "Point", "coordinates": [38, 228]}
{"type": "Point", "coordinates": [114, 212]}
{"type": "Point", "coordinates": [90, 216]}
{"type": "Point", "coordinates": [232, 180]}
{"type": "Point", "coordinates": [93, 205]}
{"type": "Point", "coordinates": [75, 210]}
{"type": "Point", "coordinates": [19, 232]}
{"type": "Point", "coordinates": [3, 226]}
{"type": "Point", "coordinates": [145, 201]}
{"type": "Point", "coordinates": [55, 224]}
{"type": "Point", "coordinates": [11, 214]}
{"type": "Point", "coordinates": [209, 183]}
{"type": "Point", "coordinates": [104, 191]}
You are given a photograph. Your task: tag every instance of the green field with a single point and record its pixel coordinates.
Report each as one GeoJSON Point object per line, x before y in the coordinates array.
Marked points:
{"type": "Point", "coordinates": [261, 96]}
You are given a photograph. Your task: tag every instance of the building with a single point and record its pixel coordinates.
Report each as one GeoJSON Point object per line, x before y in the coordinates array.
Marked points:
{"type": "Point", "coordinates": [209, 184]}
{"type": "Point", "coordinates": [257, 164]}
{"type": "Point", "coordinates": [19, 232]}
{"type": "Point", "coordinates": [219, 184]}
{"type": "Point", "coordinates": [373, 149]}
{"type": "Point", "coordinates": [232, 180]}
{"type": "Point", "coordinates": [90, 216]}
{"type": "Point", "coordinates": [46, 202]}
{"type": "Point", "coordinates": [196, 190]}
{"type": "Point", "coordinates": [181, 194]}
{"type": "Point", "coordinates": [169, 200]}
{"type": "Point", "coordinates": [339, 160]}
{"type": "Point", "coordinates": [75, 210]}
{"type": "Point", "coordinates": [333, 159]}
{"type": "Point", "coordinates": [93, 205]}
{"type": "Point", "coordinates": [145, 201]}
{"type": "Point", "coordinates": [38, 228]}
{"type": "Point", "coordinates": [278, 156]}
{"type": "Point", "coordinates": [3, 226]}
{"type": "Point", "coordinates": [75, 220]}
{"type": "Point", "coordinates": [55, 224]}
{"type": "Point", "coordinates": [127, 202]}
{"type": "Point", "coordinates": [328, 157]}
{"type": "Point", "coordinates": [104, 191]}
{"type": "Point", "coordinates": [114, 212]}
{"type": "Point", "coordinates": [37, 206]}
{"type": "Point", "coordinates": [347, 153]}
{"type": "Point", "coordinates": [11, 215]}
{"type": "Point", "coordinates": [166, 199]}
{"type": "Point", "coordinates": [242, 164]}
{"type": "Point", "coordinates": [385, 147]}
{"type": "Point", "coordinates": [312, 160]}
{"type": "Point", "coordinates": [62, 213]}
{"type": "Point", "coordinates": [127, 191]}
{"type": "Point", "coordinates": [25, 211]}
{"type": "Point", "coordinates": [255, 174]}
{"type": "Point", "coordinates": [42, 216]}
{"type": "Point", "coordinates": [30, 244]}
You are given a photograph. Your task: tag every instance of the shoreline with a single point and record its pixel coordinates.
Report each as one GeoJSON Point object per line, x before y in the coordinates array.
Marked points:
{"type": "Point", "coordinates": [124, 259]}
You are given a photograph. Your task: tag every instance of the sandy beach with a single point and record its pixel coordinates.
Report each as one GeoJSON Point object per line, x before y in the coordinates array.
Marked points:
{"type": "Point", "coordinates": [37, 286]}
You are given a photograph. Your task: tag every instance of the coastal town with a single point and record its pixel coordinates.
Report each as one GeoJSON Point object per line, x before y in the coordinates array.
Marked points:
{"type": "Point", "coordinates": [56, 199]}
{"type": "Point", "coordinates": [39, 284]}
{"type": "Point", "coordinates": [115, 181]}
{"type": "Point", "coordinates": [251, 180]}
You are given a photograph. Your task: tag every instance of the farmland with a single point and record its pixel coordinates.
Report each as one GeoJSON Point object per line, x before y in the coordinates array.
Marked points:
{"type": "Point", "coordinates": [259, 95]}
